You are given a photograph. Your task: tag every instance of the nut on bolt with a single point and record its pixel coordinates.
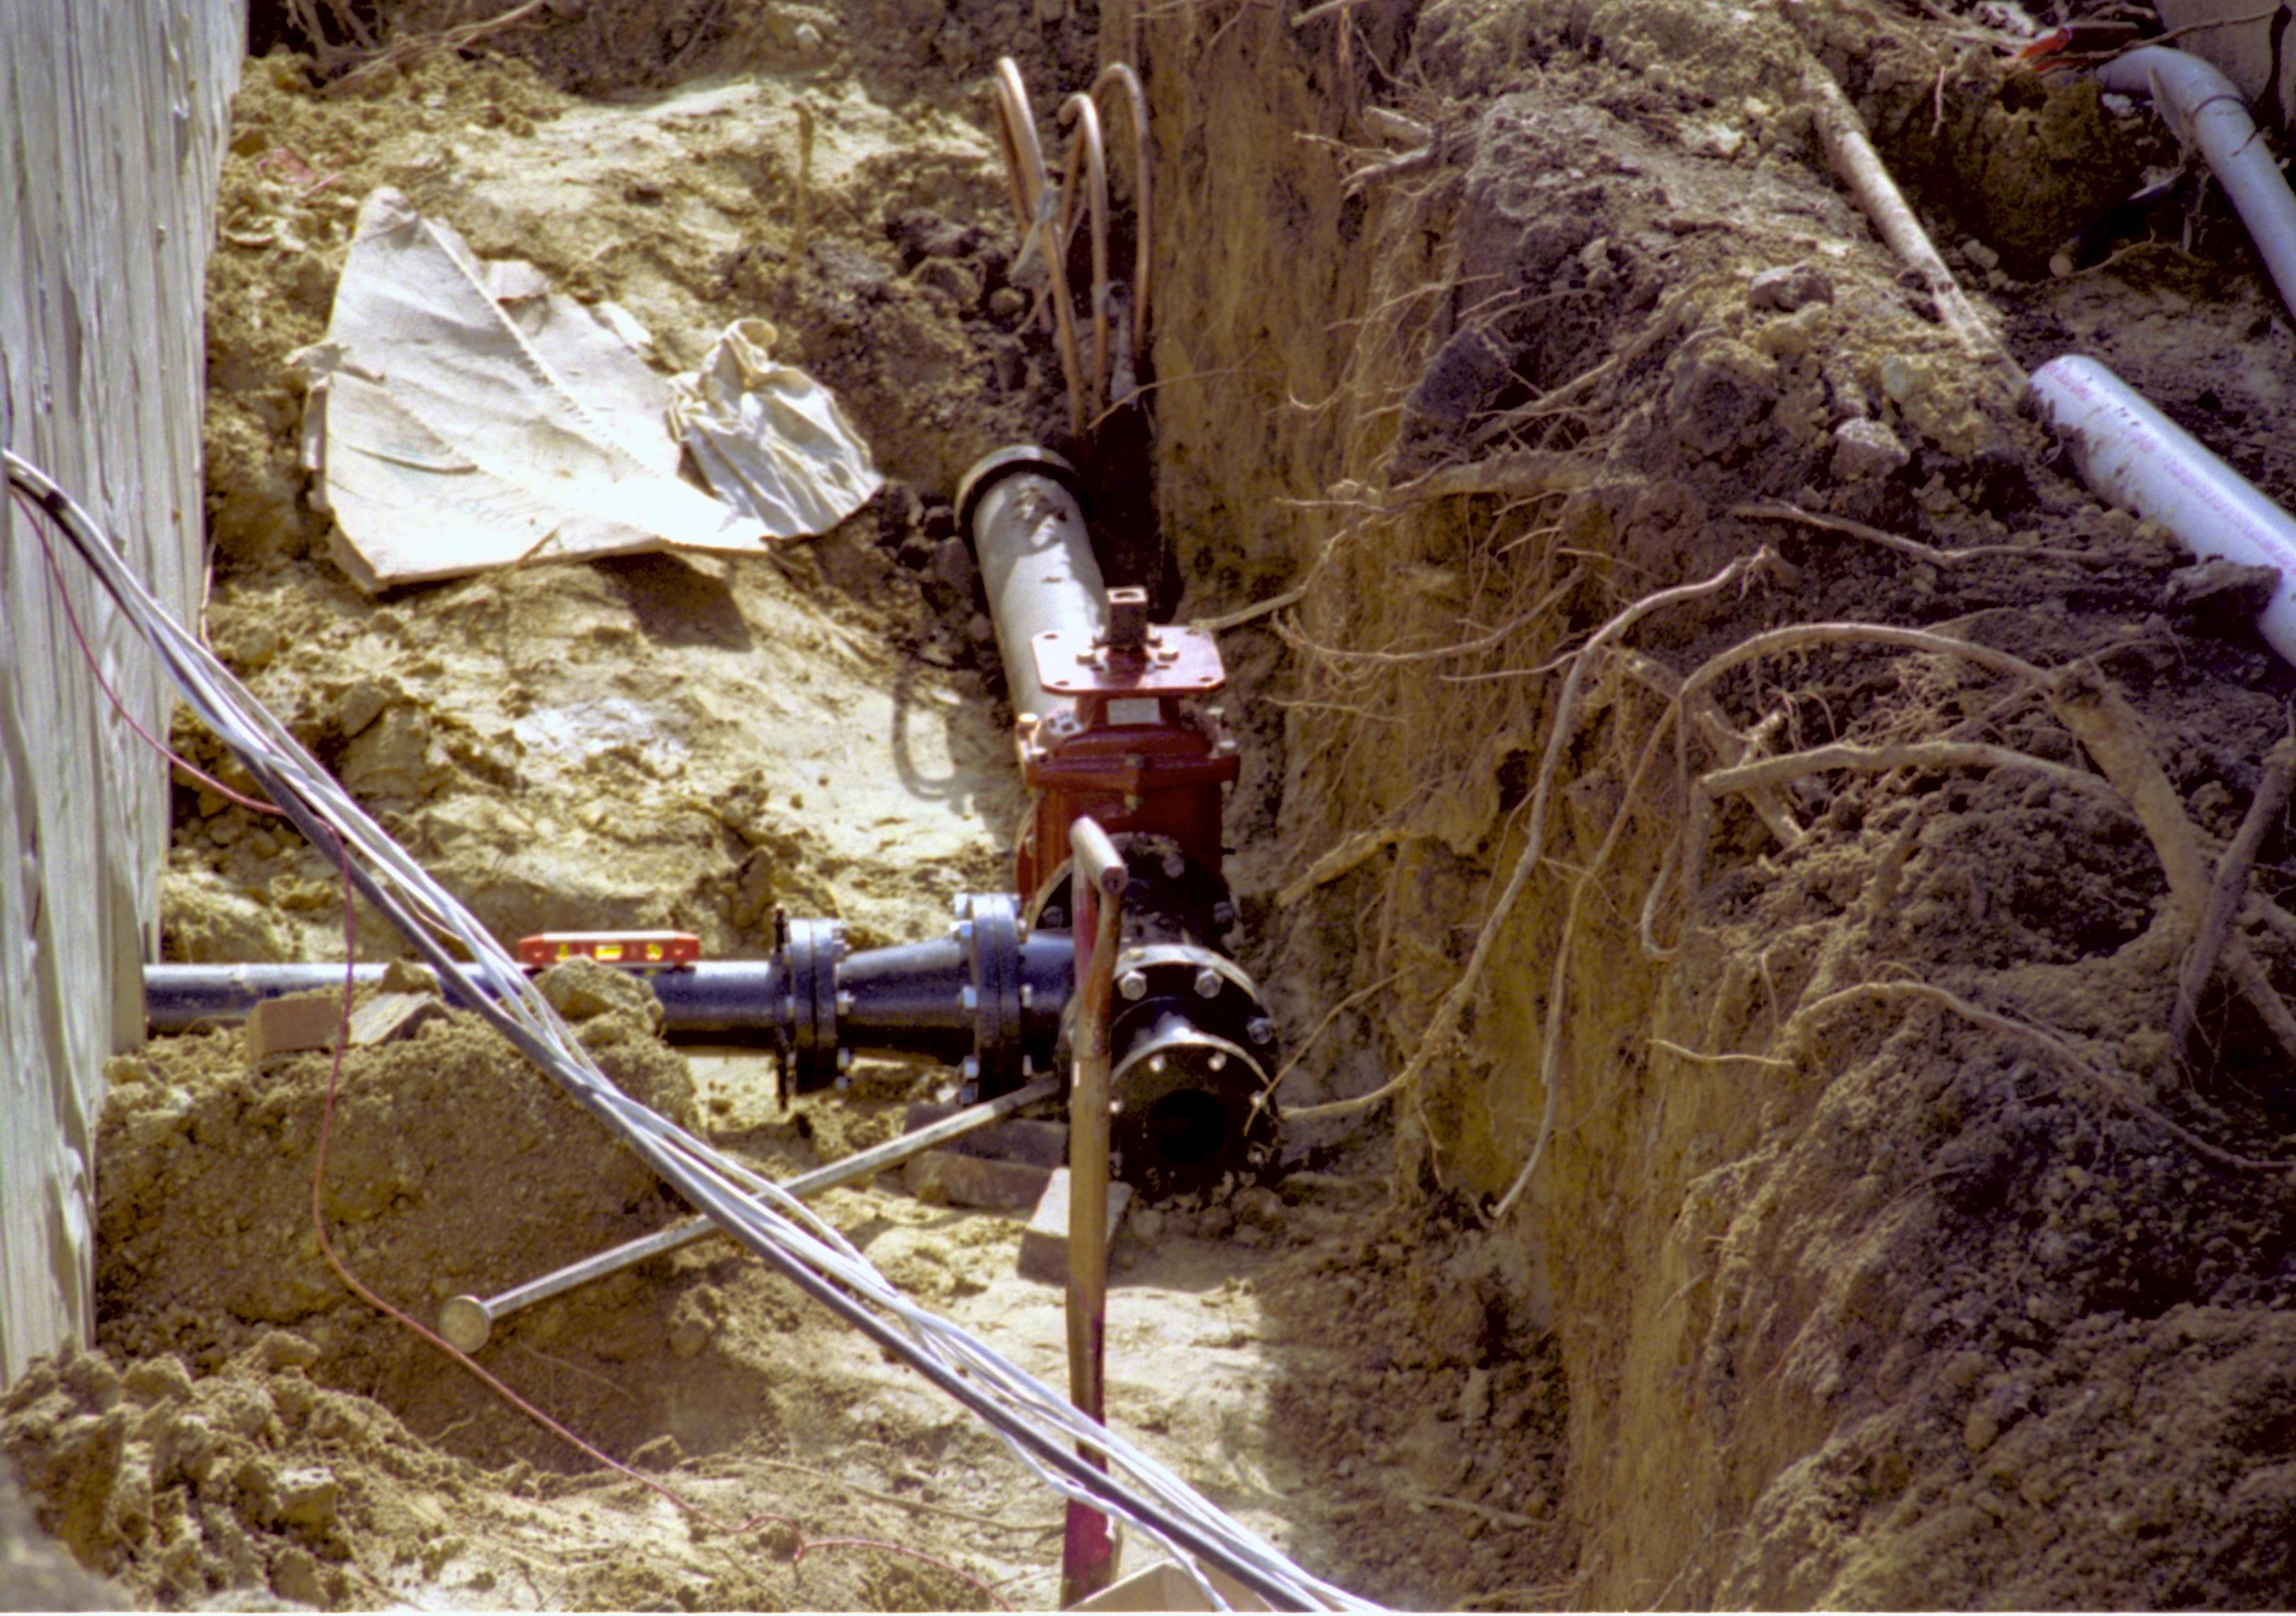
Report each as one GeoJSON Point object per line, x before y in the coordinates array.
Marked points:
{"type": "Point", "coordinates": [1131, 985]}
{"type": "Point", "coordinates": [1208, 983]}
{"type": "Point", "coordinates": [1259, 1029]}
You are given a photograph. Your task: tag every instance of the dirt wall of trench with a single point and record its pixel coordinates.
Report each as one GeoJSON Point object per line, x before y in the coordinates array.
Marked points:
{"type": "Point", "coordinates": [1477, 323]}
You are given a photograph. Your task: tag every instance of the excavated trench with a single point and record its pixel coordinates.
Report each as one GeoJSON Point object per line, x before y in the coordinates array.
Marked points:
{"type": "Point", "coordinates": [1707, 1184]}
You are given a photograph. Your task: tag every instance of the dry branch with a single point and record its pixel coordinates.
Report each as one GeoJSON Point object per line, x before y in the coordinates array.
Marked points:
{"type": "Point", "coordinates": [2231, 883]}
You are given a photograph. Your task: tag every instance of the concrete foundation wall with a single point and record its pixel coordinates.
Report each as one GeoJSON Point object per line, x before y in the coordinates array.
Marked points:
{"type": "Point", "coordinates": [112, 118]}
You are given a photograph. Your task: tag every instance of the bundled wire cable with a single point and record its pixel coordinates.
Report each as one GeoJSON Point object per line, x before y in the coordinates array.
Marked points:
{"type": "Point", "coordinates": [1036, 1423]}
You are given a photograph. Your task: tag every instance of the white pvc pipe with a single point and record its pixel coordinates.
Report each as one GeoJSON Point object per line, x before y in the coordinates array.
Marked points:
{"type": "Point", "coordinates": [2132, 454]}
{"type": "Point", "coordinates": [2205, 109]}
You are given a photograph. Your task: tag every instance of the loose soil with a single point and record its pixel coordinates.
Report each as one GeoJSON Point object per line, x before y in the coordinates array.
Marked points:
{"type": "Point", "coordinates": [1476, 322]}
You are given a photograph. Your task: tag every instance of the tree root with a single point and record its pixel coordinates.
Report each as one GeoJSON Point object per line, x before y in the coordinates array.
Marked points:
{"type": "Point", "coordinates": [1779, 510]}
{"type": "Point", "coordinates": [1444, 1023]}
{"type": "Point", "coordinates": [1771, 772]}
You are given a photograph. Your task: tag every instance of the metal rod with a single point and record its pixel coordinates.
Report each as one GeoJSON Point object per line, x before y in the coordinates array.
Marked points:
{"type": "Point", "coordinates": [467, 1321]}
{"type": "Point", "coordinates": [1088, 1552]}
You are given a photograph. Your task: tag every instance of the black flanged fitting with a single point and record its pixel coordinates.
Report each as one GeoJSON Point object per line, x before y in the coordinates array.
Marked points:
{"type": "Point", "coordinates": [988, 926]}
{"type": "Point", "coordinates": [810, 952]}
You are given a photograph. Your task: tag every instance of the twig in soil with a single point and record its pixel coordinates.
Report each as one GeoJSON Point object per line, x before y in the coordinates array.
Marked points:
{"type": "Point", "coordinates": [917, 1505]}
{"type": "Point", "coordinates": [574, 1369]}
{"type": "Point", "coordinates": [1331, 1015]}
{"type": "Point", "coordinates": [1445, 1022]}
{"type": "Point", "coordinates": [1734, 748]}
{"type": "Point", "coordinates": [2109, 1085]}
{"type": "Point", "coordinates": [2276, 920]}
{"type": "Point", "coordinates": [1338, 861]}
{"type": "Point", "coordinates": [447, 39]}
{"type": "Point", "coordinates": [1781, 511]}
{"type": "Point", "coordinates": [803, 229]}
{"type": "Point", "coordinates": [2248, 974]}
{"type": "Point", "coordinates": [2231, 883]}
{"type": "Point", "coordinates": [1683, 1053]}
{"type": "Point", "coordinates": [1496, 1517]}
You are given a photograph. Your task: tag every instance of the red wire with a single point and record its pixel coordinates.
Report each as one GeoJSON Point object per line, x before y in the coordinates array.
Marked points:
{"type": "Point", "coordinates": [326, 1128]}
{"type": "Point", "coordinates": [97, 668]}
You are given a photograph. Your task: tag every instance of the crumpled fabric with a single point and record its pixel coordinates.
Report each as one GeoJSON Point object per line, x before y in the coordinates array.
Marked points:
{"type": "Point", "coordinates": [770, 440]}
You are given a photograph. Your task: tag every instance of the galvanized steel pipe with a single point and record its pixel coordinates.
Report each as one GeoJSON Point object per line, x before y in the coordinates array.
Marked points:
{"type": "Point", "coordinates": [1037, 564]}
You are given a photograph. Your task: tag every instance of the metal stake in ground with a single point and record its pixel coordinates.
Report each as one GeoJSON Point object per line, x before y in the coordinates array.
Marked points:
{"type": "Point", "coordinates": [1088, 1554]}
{"type": "Point", "coordinates": [467, 1321]}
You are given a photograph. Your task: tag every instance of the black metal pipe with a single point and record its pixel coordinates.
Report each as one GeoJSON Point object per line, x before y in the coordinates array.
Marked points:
{"type": "Point", "coordinates": [731, 997]}
{"type": "Point", "coordinates": [904, 1000]}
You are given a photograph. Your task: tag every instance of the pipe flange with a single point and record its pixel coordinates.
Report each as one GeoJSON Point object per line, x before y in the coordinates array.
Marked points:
{"type": "Point", "coordinates": [809, 971]}
{"type": "Point", "coordinates": [1191, 1108]}
{"type": "Point", "coordinates": [993, 468]}
{"type": "Point", "coordinates": [988, 924]}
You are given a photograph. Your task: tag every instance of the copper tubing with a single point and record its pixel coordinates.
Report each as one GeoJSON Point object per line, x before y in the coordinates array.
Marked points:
{"type": "Point", "coordinates": [1136, 99]}
{"type": "Point", "coordinates": [1024, 167]}
{"type": "Point", "coordinates": [1084, 147]}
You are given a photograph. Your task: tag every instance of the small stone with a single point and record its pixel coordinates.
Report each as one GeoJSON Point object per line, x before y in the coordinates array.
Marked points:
{"type": "Point", "coordinates": [1979, 254]}
{"type": "Point", "coordinates": [1004, 302]}
{"type": "Point", "coordinates": [409, 976]}
{"type": "Point", "coordinates": [1259, 1207]}
{"type": "Point", "coordinates": [954, 279]}
{"type": "Point", "coordinates": [1475, 1397]}
{"type": "Point", "coordinates": [360, 705]}
{"type": "Point", "coordinates": [2227, 591]}
{"type": "Point", "coordinates": [283, 1350]}
{"type": "Point", "coordinates": [157, 1380]}
{"type": "Point", "coordinates": [1789, 287]}
{"type": "Point", "coordinates": [1866, 448]}
{"type": "Point", "coordinates": [1977, 1434]}
{"type": "Point", "coordinates": [305, 1496]}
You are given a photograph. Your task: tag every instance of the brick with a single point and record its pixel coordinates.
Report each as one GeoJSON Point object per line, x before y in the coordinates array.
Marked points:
{"type": "Point", "coordinates": [298, 1022]}
{"type": "Point", "coordinates": [394, 1015]}
{"type": "Point", "coordinates": [1014, 1139]}
{"type": "Point", "coordinates": [1044, 1242]}
{"type": "Point", "coordinates": [954, 1180]}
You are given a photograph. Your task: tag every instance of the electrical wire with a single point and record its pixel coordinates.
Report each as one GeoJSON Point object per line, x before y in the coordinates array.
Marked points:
{"type": "Point", "coordinates": [1039, 1425]}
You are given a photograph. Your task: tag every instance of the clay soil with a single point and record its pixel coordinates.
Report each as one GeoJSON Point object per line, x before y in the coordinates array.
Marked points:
{"type": "Point", "coordinates": [1774, 1194]}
